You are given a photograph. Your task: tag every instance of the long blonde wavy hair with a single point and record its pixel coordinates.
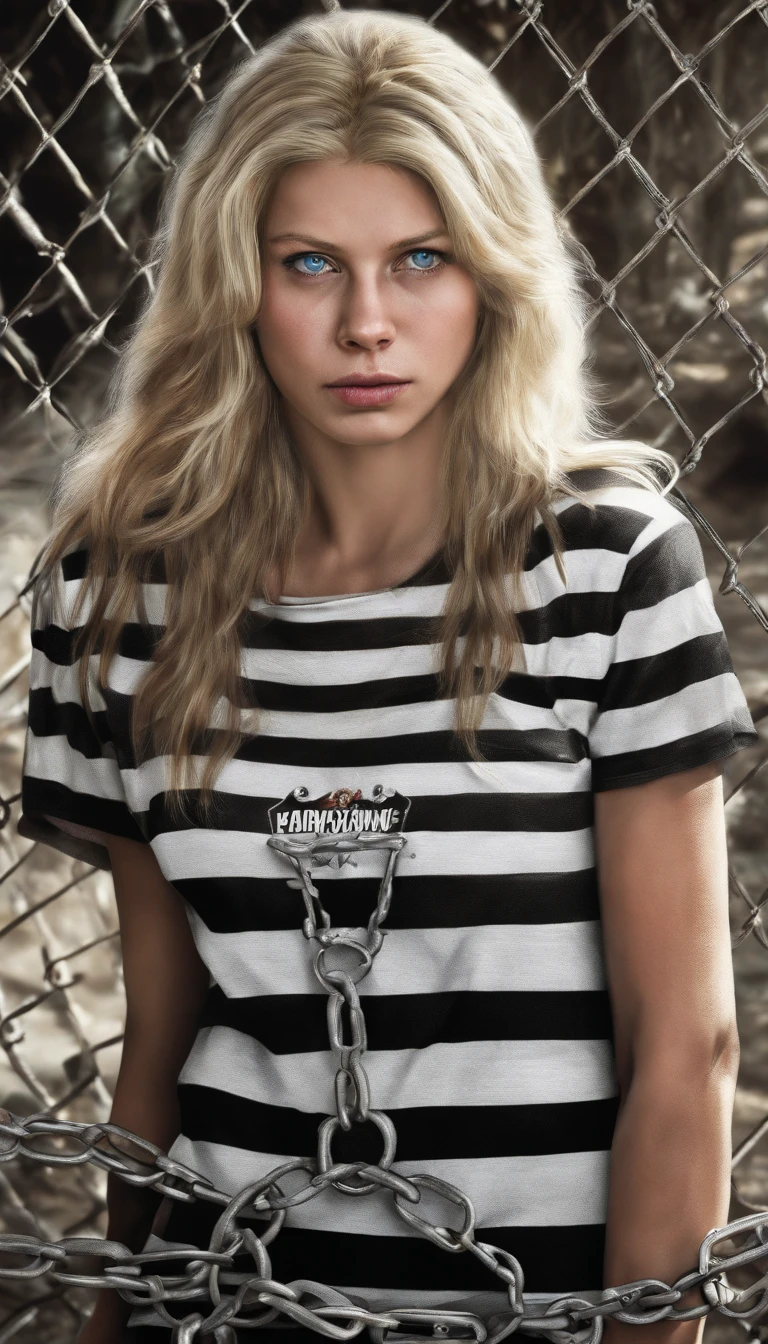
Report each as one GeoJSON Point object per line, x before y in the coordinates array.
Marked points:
{"type": "Point", "coordinates": [191, 459]}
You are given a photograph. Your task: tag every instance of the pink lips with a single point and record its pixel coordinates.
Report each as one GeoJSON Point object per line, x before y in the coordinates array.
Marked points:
{"type": "Point", "coordinates": [377, 394]}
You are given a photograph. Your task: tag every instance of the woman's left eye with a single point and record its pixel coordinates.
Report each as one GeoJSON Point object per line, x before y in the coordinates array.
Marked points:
{"type": "Point", "coordinates": [427, 252]}
{"type": "Point", "coordinates": [315, 262]}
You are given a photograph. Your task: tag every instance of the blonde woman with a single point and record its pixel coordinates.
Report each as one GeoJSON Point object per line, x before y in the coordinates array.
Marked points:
{"type": "Point", "coordinates": [350, 556]}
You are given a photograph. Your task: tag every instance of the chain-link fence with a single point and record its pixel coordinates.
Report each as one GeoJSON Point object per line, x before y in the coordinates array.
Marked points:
{"type": "Point", "coordinates": [653, 124]}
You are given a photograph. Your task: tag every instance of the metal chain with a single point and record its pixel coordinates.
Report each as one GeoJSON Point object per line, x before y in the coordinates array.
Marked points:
{"type": "Point", "coordinates": [724, 302]}
{"type": "Point", "coordinates": [253, 1299]}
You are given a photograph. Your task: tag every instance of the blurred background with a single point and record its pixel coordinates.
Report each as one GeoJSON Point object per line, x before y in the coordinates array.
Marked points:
{"type": "Point", "coordinates": [652, 121]}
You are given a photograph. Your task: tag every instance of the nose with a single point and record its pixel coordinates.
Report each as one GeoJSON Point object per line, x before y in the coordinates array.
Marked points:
{"type": "Point", "coordinates": [365, 319]}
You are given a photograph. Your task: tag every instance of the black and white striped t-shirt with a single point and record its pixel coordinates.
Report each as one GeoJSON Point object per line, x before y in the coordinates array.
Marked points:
{"type": "Point", "coordinates": [489, 1027]}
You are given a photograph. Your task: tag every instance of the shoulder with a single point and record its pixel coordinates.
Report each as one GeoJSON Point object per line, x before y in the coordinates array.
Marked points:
{"type": "Point", "coordinates": [624, 546]}
{"type": "Point", "coordinates": [623, 524]}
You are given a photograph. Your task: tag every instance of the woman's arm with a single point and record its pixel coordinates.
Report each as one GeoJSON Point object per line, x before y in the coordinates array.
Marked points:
{"type": "Point", "coordinates": [165, 987]}
{"type": "Point", "coordinates": [662, 868]}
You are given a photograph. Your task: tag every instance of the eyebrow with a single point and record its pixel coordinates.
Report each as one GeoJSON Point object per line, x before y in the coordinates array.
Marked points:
{"type": "Point", "coordinates": [334, 247]}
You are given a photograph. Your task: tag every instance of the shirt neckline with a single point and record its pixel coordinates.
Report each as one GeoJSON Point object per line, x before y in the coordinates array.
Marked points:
{"type": "Point", "coordinates": [414, 578]}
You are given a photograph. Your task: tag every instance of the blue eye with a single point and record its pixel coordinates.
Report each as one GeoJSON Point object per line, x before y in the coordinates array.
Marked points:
{"type": "Point", "coordinates": [313, 259]}
{"type": "Point", "coordinates": [423, 252]}
{"type": "Point", "coordinates": [315, 262]}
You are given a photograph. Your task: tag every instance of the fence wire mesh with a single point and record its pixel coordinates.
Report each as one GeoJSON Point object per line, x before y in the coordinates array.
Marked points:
{"type": "Point", "coordinates": [652, 124]}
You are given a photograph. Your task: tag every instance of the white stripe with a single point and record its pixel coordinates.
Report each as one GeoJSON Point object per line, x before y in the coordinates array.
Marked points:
{"type": "Point", "coordinates": [425, 601]}
{"type": "Point", "coordinates": [514, 1073]}
{"type": "Point", "coordinates": [62, 679]}
{"type": "Point", "coordinates": [662, 518]}
{"type": "Point", "coordinates": [541, 1189]}
{"type": "Point", "coordinates": [642, 633]}
{"type": "Point", "coordinates": [592, 569]}
{"type": "Point", "coordinates": [337, 669]}
{"type": "Point", "coordinates": [222, 853]}
{"type": "Point", "coordinates": [487, 958]}
{"type": "Point", "coordinates": [421, 600]}
{"type": "Point", "coordinates": [586, 655]}
{"type": "Point", "coordinates": [54, 760]}
{"type": "Point", "coordinates": [670, 623]}
{"type": "Point", "coordinates": [693, 709]}
{"type": "Point", "coordinates": [340, 667]}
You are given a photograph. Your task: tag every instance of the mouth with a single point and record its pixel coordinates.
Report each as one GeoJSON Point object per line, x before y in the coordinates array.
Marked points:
{"type": "Point", "coordinates": [369, 380]}
{"type": "Point", "coordinates": [370, 393]}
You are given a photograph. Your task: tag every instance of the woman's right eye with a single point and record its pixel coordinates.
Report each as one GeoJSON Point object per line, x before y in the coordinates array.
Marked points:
{"type": "Point", "coordinates": [312, 258]}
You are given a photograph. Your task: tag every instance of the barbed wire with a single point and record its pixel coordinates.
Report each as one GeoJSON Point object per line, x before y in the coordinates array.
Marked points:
{"type": "Point", "coordinates": [125, 52]}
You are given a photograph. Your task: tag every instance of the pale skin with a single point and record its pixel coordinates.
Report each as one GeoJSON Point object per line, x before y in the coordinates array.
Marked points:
{"type": "Point", "coordinates": [660, 847]}
{"type": "Point", "coordinates": [375, 307]}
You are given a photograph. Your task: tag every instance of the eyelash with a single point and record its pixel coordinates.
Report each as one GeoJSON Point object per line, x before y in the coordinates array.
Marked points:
{"type": "Point", "coordinates": [306, 275]}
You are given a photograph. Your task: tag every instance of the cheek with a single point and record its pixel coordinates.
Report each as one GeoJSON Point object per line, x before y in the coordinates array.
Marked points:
{"type": "Point", "coordinates": [451, 323]}
{"type": "Point", "coordinates": [278, 318]}
{"type": "Point", "coordinates": [283, 328]}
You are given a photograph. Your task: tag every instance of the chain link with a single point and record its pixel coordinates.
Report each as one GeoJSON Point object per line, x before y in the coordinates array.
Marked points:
{"type": "Point", "coordinates": [209, 1276]}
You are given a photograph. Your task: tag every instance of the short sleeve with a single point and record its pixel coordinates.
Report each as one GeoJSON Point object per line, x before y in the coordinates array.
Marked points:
{"type": "Point", "coordinates": [669, 699]}
{"type": "Point", "coordinates": [72, 792]}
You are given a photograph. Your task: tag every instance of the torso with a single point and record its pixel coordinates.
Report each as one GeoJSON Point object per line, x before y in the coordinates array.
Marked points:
{"type": "Point", "coordinates": [487, 1009]}
{"type": "Point", "coordinates": [489, 1027]}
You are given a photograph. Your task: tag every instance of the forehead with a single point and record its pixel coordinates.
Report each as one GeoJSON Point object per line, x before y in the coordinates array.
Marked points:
{"type": "Point", "coordinates": [337, 199]}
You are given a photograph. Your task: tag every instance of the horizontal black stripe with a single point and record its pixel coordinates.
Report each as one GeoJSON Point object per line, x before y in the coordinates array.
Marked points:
{"type": "Point", "coordinates": [385, 692]}
{"type": "Point", "coordinates": [240, 904]}
{"type": "Point", "coordinates": [423, 1132]}
{"type": "Point", "coordinates": [518, 687]}
{"type": "Point", "coordinates": [49, 718]}
{"type": "Point", "coordinates": [47, 798]}
{"type": "Point", "coordinates": [686, 753]}
{"type": "Point", "coordinates": [554, 1259]}
{"type": "Point", "coordinates": [295, 1023]}
{"type": "Point", "coordinates": [567, 615]}
{"type": "Point", "coordinates": [610, 527]}
{"type": "Point", "coordinates": [496, 744]}
{"type": "Point", "coordinates": [669, 563]}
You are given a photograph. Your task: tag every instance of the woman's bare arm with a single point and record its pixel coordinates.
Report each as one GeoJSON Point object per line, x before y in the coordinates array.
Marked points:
{"type": "Point", "coordinates": [662, 867]}
{"type": "Point", "coordinates": [165, 986]}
